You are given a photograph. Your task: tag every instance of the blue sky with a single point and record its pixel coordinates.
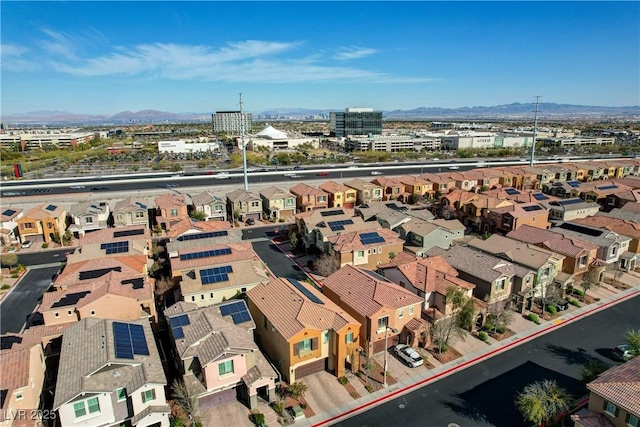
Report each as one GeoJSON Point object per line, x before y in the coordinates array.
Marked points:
{"type": "Point", "coordinates": [107, 57]}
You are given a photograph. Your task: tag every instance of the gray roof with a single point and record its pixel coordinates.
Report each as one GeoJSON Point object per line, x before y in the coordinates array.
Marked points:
{"type": "Point", "coordinates": [419, 227]}
{"type": "Point", "coordinates": [205, 198]}
{"type": "Point", "coordinates": [274, 193]}
{"type": "Point", "coordinates": [234, 235]}
{"type": "Point", "coordinates": [522, 253]}
{"type": "Point", "coordinates": [88, 208]}
{"type": "Point", "coordinates": [605, 238]}
{"type": "Point", "coordinates": [621, 214]}
{"type": "Point", "coordinates": [570, 207]}
{"type": "Point", "coordinates": [360, 184]}
{"type": "Point", "coordinates": [475, 263]}
{"type": "Point", "coordinates": [449, 224]}
{"type": "Point", "coordinates": [240, 195]}
{"type": "Point", "coordinates": [132, 204]}
{"type": "Point", "coordinates": [88, 363]}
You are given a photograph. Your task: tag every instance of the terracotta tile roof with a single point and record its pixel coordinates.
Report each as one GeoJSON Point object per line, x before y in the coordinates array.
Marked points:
{"type": "Point", "coordinates": [621, 226]}
{"type": "Point", "coordinates": [360, 184]}
{"type": "Point", "coordinates": [45, 332]}
{"type": "Point", "coordinates": [400, 259]}
{"type": "Point", "coordinates": [460, 196]}
{"type": "Point", "coordinates": [519, 211]}
{"type": "Point", "coordinates": [434, 178]}
{"type": "Point", "coordinates": [180, 227]}
{"type": "Point", "coordinates": [334, 187]}
{"type": "Point", "coordinates": [387, 182]}
{"type": "Point", "coordinates": [240, 195]}
{"type": "Point", "coordinates": [620, 385]}
{"type": "Point", "coordinates": [171, 200]}
{"type": "Point", "coordinates": [4, 218]}
{"type": "Point", "coordinates": [633, 207]}
{"type": "Point", "coordinates": [412, 180]}
{"type": "Point", "coordinates": [488, 202]}
{"type": "Point", "coordinates": [632, 196]}
{"type": "Point", "coordinates": [14, 371]}
{"type": "Point", "coordinates": [108, 235]}
{"type": "Point", "coordinates": [351, 241]}
{"type": "Point", "coordinates": [367, 294]}
{"type": "Point", "coordinates": [239, 252]}
{"type": "Point", "coordinates": [516, 251]}
{"type": "Point", "coordinates": [246, 273]}
{"type": "Point", "coordinates": [128, 265]}
{"type": "Point", "coordinates": [553, 241]}
{"type": "Point", "coordinates": [291, 312]}
{"type": "Point", "coordinates": [303, 189]}
{"type": "Point", "coordinates": [273, 193]}
{"type": "Point", "coordinates": [40, 212]}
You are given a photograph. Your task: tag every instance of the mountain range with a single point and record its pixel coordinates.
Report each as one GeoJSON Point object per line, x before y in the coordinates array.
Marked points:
{"type": "Point", "coordinates": [514, 111]}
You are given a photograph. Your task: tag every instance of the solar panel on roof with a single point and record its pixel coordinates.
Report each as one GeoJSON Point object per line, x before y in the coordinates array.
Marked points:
{"type": "Point", "coordinates": [339, 225]}
{"type": "Point", "coordinates": [180, 320]}
{"type": "Point", "coordinates": [511, 191]}
{"type": "Point", "coordinates": [306, 292]}
{"type": "Point", "coordinates": [137, 283]}
{"type": "Point", "coordinates": [215, 275]}
{"type": "Point", "coordinates": [51, 208]}
{"type": "Point", "coordinates": [8, 212]}
{"type": "Point", "coordinates": [138, 340]}
{"type": "Point", "coordinates": [581, 229]}
{"type": "Point", "coordinates": [608, 187]}
{"type": "Point", "coordinates": [332, 213]}
{"type": "Point", "coordinates": [241, 317]}
{"type": "Point", "coordinates": [94, 274]}
{"type": "Point", "coordinates": [115, 247]}
{"type": "Point", "coordinates": [124, 233]}
{"type": "Point", "coordinates": [122, 340]}
{"type": "Point", "coordinates": [531, 208]}
{"type": "Point", "coordinates": [205, 254]}
{"type": "Point", "coordinates": [234, 307]}
{"type": "Point", "coordinates": [370, 238]}
{"type": "Point", "coordinates": [207, 235]}
{"type": "Point", "coordinates": [70, 299]}
{"type": "Point", "coordinates": [178, 333]}
{"type": "Point", "coordinates": [540, 196]}
{"type": "Point", "coordinates": [570, 201]}
{"type": "Point", "coordinates": [574, 184]}
{"type": "Point", "coordinates": [140, 205]}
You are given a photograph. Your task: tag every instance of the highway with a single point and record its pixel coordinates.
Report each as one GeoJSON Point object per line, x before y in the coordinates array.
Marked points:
{"type": "Point", "coordinates": [483, 395]}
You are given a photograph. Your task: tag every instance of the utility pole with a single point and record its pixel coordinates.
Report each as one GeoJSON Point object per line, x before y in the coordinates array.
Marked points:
{"type": "Point", "coordinates": [244, 147]}
{"type": "Point", "coordinates": [535, 128]}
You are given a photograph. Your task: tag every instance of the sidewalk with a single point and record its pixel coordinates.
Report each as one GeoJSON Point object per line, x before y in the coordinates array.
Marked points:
{"type": "Point", "coordinates": [473, 351]}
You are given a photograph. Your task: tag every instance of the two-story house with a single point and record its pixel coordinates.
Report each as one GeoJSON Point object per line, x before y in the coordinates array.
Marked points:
{"type": "Point", "coordinates": [9, 228]}
{"type": "Point", "coordinates": [365, 248]}
{"type": "Point", "coordinates": [301, 330]}
{"type": "Point", "coordinates": [392, 189]}
{"type": "Point", "coordinates": [110, 373]}
{"type": "Point", "coordinates": [366, 192]}
{"type": "Point", "coordinates": [309, 198]}
{"type": "Point", "coordinates": [214, 350]}
{"type": "Point", "coordinates": [570, 209]}
{"type": "Point", "coordinates": [340, 195]}
{"type": "Point", "coordinates": [213, 207]}
{"type": "Point", "coordinates": [170, 208]}
{"type": "Point", "coordinates": [277, 203]}
{"type": "Point", "coordinates": [88, 216]}
{"type": "Point", "coordinates": [316, 227]}
{"type": "Point", "coordinates": [510, 217]}
{"type": "Point", "coordinates": [131, 211]}
{"type": "Point", "coordinates": [43, 224]}
{"type": "Point", "coordinates": [417, 187]}
{"type": "Point", "coordinates": [624, 227]}
{"type": "Point", "coordinates": [441, 184]}
{"type": "Point", "coordinates": [386, 311]}
{"type": "Point", "coordinates": [611, 245]}
{"type": "Point", "coordinates": [243, 205]}
{"type": "Point", "coordinates": [420, 236]}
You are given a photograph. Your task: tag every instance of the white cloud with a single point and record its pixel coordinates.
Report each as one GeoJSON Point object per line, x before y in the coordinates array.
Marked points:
{"type": "Point", "coordinates": [58, 44]}
{"type": "Point", "coordinates": [13, 58]}
{"type": "Point", "coordinates": [353, 52]}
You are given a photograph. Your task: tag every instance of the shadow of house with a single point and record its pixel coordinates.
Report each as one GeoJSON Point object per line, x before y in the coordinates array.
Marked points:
{"type": "Point", "coordinates": [494, 400]}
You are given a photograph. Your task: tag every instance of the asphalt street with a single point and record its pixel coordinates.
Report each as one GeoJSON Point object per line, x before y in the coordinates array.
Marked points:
{"type": "Point", "coordinates": [484, 394]}
{"type": "Point", "coordinates": [41, 257]}
{"type": "Point", "coordinates": [278, 263]}
{"type": "Point", "coordinates": [23, 299]}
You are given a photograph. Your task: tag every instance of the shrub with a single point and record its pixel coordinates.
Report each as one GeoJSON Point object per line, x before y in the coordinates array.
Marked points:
{"type": "Point", "coordinates": [258, 419]}
{"type": "Point", "coordinates": [369, 388]}
{"type": "Point", "coordinates": [177, 422]}
{"type": "Point", "coordinates": [197, 424]}
{"type": "Point", "coordinates": [534, 318]}
{"type": "Point", "coordinates": [574, 302]}
{"type": "Point", "coordinates": [343, 380]}
{"type": "Point", "coordinates": [483, 336]}
{"type": "Point", "coordinates": [278, 407]}
{"type": "Point", "coordinates": [354, 394]}
{"type": "Point", "coordinates": [45, 245]}
{"type": "Point", "coordinates": [5, 287]}
{"type": "Point", "coordinates": [500, 330]}
{"type": "Point", "coordinates": [578, 292]}
{"type": "Point", "coordinates": [551, 309]}
{"type": "Point", "coordinates": [15, 275]}
{"type": "Point", "coordinates": [303, 405]}
{"type": "Point", "coordinates": [281, 220]}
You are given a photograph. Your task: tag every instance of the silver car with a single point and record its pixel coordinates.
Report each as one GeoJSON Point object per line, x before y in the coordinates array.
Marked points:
{"type": "Point", "coordinates": [408, 355]}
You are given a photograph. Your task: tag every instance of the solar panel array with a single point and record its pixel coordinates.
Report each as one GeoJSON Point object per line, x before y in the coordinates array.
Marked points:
{"type": "Point", "coordinates": [608, 187]}
{"type": "Point", "coordinates": [94, 274]}
{"type": "Point", "coordinates": [574, 184]}
{"type": "Point", "coordinates": [570, 201]}
{"type": "Point", "coordinates": [205, 254]}
{"type": "Point", "coordinates": [237, 310]}
{"type": "Point", "coordinates": [129, 339]}
{"type": "Point", "coordinates": [511, 191]}
{"type": "Point", "coordinates": [203, 235]}
{"type": "Point", "coordinates": [540, 196]}
{"type": "Point", "coordinates": [140, 205]}
{"type": "Point", "coordinates": [115, 247]}
{"type": "Point", "coordinates": [531, 208]}
{"type": "Point", "coordinates": [581, 229]}
{"type": "Point", "coordinates": [51, 208]}
{"type": "Point", "coordinates": [339, 225]}
{"type": "Point", "coordinates": [8, 212]}
{"type": "Point", "coordinates": [70, 299]}
{"type": "Point", "coordinates": [370, 238]}
{"type": "Point", "coordinates": [177, 323]}
{"type": "Point", "coordinates": [332, 213]}
{"type": "Point", "coordinates": [125, 233]}
{"type": "Point", "coordinates": [215, 275]}
{"type": "Point", "coordinates": [306, 292]}
{"type": "Point", "coordinates": [137, 283]}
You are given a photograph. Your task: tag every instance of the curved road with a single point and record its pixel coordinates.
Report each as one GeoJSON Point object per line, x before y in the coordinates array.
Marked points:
{"type": "Point", "coordinates": [483, 394]}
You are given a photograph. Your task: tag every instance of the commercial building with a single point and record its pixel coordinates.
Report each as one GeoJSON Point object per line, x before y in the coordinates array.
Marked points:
{"type": "Point", "coordinates": [355, 121]}
{"type": "Point", "coordinates": [34, 140]}
{"type": "Point", "coordinates": [576, 141]}
{"type": "Point", "coordinates": [181, 146]}
{"type": "Point", "coordinates": [231, 122]}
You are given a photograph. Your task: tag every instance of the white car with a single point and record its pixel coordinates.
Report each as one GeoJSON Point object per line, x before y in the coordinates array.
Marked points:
{"type": "Point", "coordinates": [76, 187]}
{"type": "Point", "coordinates": [222, 175]}
{"type": "Point", "coordinates": [376, 173]}
{"type": "Point", "coordinates": [454, 168]}
{"type": "Point", "coordinates": [27, 244]}
{"type": "Point", "coordinates": [408, 355]}
{"type": "Point", "coordinates": [352, 167]}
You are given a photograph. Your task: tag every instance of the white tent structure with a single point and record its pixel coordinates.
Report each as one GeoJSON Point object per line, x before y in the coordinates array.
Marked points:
{"type": "Point", "coordinates": [271, 133]}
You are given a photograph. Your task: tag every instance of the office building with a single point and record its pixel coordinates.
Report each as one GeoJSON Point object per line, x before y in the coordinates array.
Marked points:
{"type": "Point", "coordinates": [231, 122]}
{"type": "Point", "coordinates": [356, 121]}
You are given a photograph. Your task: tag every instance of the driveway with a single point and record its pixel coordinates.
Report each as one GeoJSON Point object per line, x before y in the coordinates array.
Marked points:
{"type": "Point", "coordinates": [279, 264]}
{"type": "Point", "coordinates": [23, 299]}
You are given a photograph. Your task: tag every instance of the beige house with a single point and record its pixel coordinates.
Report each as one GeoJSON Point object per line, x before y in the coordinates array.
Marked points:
{"type": "Point", "coordinates": [131, 211]}
{"type": "Point", "coordinates": [366, 192]}
{"type": "Point", "coordinates": [243, 205]}
{"type": "Point", "coordinates": [365, 248]}
{"type": "Point", "coordinates": [213, 207]}
{"type": "Point", "coordinates": [131, 241]}
{"type": "Point", "coordinates": [87, 271]}
{"type": "Point", "coordinates": [9, 226]}
{"type": "Point", "coordinates": [309, 198]}
{"type": "Point", "coordinates": [340, 195]}
{"type": "Point", "coordinates": [277, 203]}
{"type": "Point", "coordinates": [110, 373]}
{"type": "Point", "coordinates": [43, 224]}
{"type": "Point", "coordinates": [88, 216]}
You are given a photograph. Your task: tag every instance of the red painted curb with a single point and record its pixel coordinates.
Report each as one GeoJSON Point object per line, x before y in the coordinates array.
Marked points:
{"type": "Point", "coordinates": [473, 361]}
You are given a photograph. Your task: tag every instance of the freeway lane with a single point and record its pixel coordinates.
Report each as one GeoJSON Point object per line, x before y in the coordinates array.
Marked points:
{"type": "Point", "coordinates": [483, 395]}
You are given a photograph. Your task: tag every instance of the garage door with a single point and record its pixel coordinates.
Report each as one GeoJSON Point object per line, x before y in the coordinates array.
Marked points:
{"type": "Point", "coordinates": [217, 399]}
{"type": "Point", "coordinates": [310, 368]}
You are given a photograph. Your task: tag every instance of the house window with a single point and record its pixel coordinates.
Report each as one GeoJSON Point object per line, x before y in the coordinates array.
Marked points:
{"type": "Point", "coordinates": [401, 313]}
{"type": "Point", "coordinates": [88, 220]}
{"type": "Point", "coordinates": [148, 395]}
{"type": "Point", "coordinates": [19, 396]}
{"type": "Point", "coordinates": [121, 394]}
{"type": "Point", "coordinates": [582, 261]}
{"type": "Point", "coordinates": [614, 250]}
{"type": "Point", "coordinates": [69, 312]}
{"type": "Point", "coordinates": [321, 199]}
{"type": "Point", "coordinates": [325, 337]}
{"type": "Point", "coordinates": [211, 295]}
{"type": "Point", "coordinates": [225, 368]}
{"type": "Point", "coordinates": [360, 254]}
{"type": "Point", "coordinates": [368, 251]}
{"type": "Point", "coordinates": [139, 215]}
{"type": "Point", "coordinates": [83, 407]}
{"type": "Point", "coordinates": [348, 338]}
{"type": "Point", "coordinates": [290, 202]}
{"type": "Point", "coordinates": [174, 212]}
{"type": "Point", "coordinates": [611, 409]}
{"type": "Point", "coordinates": [383, 322]}
{"type": "Point", "coordinates": [56, 314]}
{"type": "Point", "coordinates": [93, 313]}
{"type": "Point", "coordinates": [218, 208]}
{"type": "Point", "coordinates": [202, 297]}
{"type": "Point", "coordinates": [193, 298]}
{"type": "Point", "coordinates": [500, 284]}
{"type": "Point", "coordinates": [546, 272]}
{"type": "Point", "coordinates": [49, 225]}
{"type": "Point", "coordinates": [631, 420]}
{"type": "Point", "coordinates": [255, 204]}
{"type": "Point", "coordinates": [410, 311]}
{"type": "Point", "coordinates": [27, 225]}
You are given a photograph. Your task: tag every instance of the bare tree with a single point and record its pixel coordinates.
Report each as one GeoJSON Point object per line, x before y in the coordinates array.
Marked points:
{"type": "Point", "coordinates": [326, 265]}
{"type": "Point", "coordinates": [183, 399]}
{"type": "Point", "coordinates": [589, 280]}
{"type": "Point", "coordinates": [499, 315]}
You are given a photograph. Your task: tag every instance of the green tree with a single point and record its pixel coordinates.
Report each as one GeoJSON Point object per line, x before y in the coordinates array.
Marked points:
{"type": "Point", "coordinates": [632, 337]}
{"type": "Point", "coordinates": [297, 390]}
{"type": "Point", "coordinates": [590, 370]}
{"type": "Point", "coordinates": [199, 215]}
{"type": "Point", "coordinates": [9, 259]}
{"type": "Point", "coordinates": [541, 401]}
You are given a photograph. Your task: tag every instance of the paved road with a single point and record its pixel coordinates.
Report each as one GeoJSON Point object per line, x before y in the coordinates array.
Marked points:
{"type": "Point", "coordinates": [23, 299]}
{"type": "Point", "coordinates": [40, 257]}
{"type": "Point", "coordinates": [278, 262]}
{"type": "Point", "coordinates": [483, 395]}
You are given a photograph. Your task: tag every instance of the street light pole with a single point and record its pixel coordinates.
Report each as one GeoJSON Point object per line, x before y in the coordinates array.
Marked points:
{"type": "Point", "coordinates": [244, 147]}
{"type": "Point", "coordinates": [386, 351]}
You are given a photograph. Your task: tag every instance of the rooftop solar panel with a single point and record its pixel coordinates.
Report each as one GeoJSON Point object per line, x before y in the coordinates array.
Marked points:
{"type": "Point", "coordinates": [115, 247]}
{"type": "Point", "coordinates": [180, 320]}
{"type": "Point", "coordinates": [332, 213]}
{"type": "Point", "coordinates": [607, 187]}
{"type": "Point", "coordinates": [140, 205]}
{"type": "Point", "coordinates": [138, 340]}
{"type": "Point", "coordinates": [215, 275]}
{"type": "Point", "coordinates": [137, 283]}
{"type": "Point", "coordinates": [207, 235]}
{"type": "Point", "coordinates": [94, 274]}
{"type": "Point", "coordinates": [306, 292]}
{"type": "Point", "coordinates": [122, 340]}
{"type": "Point", "coordinates": [231, 308]}
{"type": "Point", "coordinates": [205, 254]}
{"type": "Point", "coordinates": [339, 225]}
{"type": "Point", "coordinates": [8, 212]}
{"type": "Point", "coordinates": [178, 333]}
{"type": "Point", "coordinates": [581, 229]}
{"type": "Point", "coordinates": [540, 196]}
{"type": "Point", "coordinates": [370, 238]}
{"type": "Point", "coordinates": [511, 191]}
{"type": "Point", "coordinates": [574, 184]}
{"type": "Point", "coordinates": [570, 201]}
{"type": "Point", "coordinates": [241, 317]}
{"type": "Point", "coordinates": [124, 233]}
{"type": "Point", "coordinates": [531, 208]}
{"type": "Point", "coordinates": [51, 208]}
{"type": "Point", "coordinates": [70, 299]}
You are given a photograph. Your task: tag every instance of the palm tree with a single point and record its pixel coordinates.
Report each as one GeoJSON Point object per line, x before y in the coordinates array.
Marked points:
{"type": "Point", "coordinates": [542, 401]}
{"type": "Point", "coordinates": [632, 338]}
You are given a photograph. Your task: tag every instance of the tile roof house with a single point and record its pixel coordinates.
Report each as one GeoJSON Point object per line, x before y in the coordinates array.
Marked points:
{"type": "Point", "coordinates": [624, 227]}
{"type": "Point", "coordinates": [9, 225]}
{"type": "Point", "coordinates": [309, 198]}
{"type": "Point", "coordinates": [316, 227]}
{"type": "Point", "coordinates": [570, 209]}
{"type": "Point", "coordinates": [611, 245]}
{"type": "Point", "coordinates": [131, 211]}
{"type": "Point", "coordinates": [122, 242]}
{"type": "Point", "coordinates": [113, 295]}
{"type": "Point", "coordinates": [22, 374]}
{"type": "Point", "coordinates": [392, 189]}
{"type": "Point", "coordinates": [340, 195]}
{"type": "Point", "coordinates": [213, 207]}
{"type": "Point", "coordinates": [614, 398]}
{"type": "Point", "coordinates": [578, 254]}
{"type": "Point", "coordinates": [377, 304]}
{"type": "Point", "coordinates": [441, 184]}
{"type": "Point", "coordinates": [494, 278]}
{"type": "Point", "coordinates": [88, 216]}
{"type": "Point", "coordinates": [87, 271]}
{"type": "Point", "coordinates": [208, 274]}
{"type": "Point", "coordinates": [366, 192]}
{"type": "Point", "coordinates": [420, 236]}
{"type": "Point", "coordinates": [42, 223]}
{"type": "Point", "coordinates": [509, 218]}
{"type": "Point", "coordinates": [301, 330]}
{"type": "Point", "coordinates": [277, 203]}
{"type": "Point", "coordinates": [213, 349]}
{"type": "Point", "coordinates": [170, 207]}
{"type": "Point", "coordinates": [186, 226]}
{"type": "Point", "coordinates": [621, 198]}
{"type": "Point", "coordinates": [243, 205]}
{"type": "Point", "coordinates": [109, 373]}
{"type": "Point", "coordinates": [429, 278]}
{"type": "Point", "coordinates": [417, 186]}
{"type": "Point", "coordinates": [365, 248]}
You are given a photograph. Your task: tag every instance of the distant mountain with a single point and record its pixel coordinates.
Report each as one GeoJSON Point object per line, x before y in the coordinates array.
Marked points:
{"type": "Point", "coordinates": [513, 111]}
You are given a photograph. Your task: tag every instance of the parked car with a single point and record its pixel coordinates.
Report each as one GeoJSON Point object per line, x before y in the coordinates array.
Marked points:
{"type": "Point", "coordinates": [622, 353]}
{"type": "Point", "coordinates": [27, 244]}
{"type": "Point", "coordinates": [408, 355]}
{"type": "Point", "coordinates": [250, 221]}
{"type": "Point", "coordinates": [559, 303]}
